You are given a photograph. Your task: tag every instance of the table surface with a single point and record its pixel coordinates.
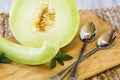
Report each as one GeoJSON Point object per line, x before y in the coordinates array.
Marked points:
{"type": "Point", "coordinates": [81, 4]}
{"type": "Point", "coordinates": [96, 4]}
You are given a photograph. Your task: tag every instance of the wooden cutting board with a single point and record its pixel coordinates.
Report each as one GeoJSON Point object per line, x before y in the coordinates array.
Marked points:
{"type": "Point", "coordinates": [95, 64]}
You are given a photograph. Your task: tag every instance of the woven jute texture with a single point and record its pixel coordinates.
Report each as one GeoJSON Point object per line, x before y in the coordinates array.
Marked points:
{"type": "Point", "coordinates": [112, 74]}
{"type": "Point", "coordinates": [4, 25]}
{"type": "Point", "coordinates": [110, 15]}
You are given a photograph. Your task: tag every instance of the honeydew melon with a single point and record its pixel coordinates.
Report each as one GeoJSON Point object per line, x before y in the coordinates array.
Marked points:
{"type": "Point", "coordinates": [42, 27]}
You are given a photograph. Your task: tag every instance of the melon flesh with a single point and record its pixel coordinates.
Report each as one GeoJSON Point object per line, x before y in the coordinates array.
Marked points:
{"type": "Point", "coordinates": [28, 55]}
{"type": "Point", "coordinates": [63, 31]}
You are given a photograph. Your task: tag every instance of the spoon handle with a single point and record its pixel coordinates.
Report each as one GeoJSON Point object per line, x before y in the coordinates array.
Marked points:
{"type": "Point", "coordinates": [82, 51]}
{"type": "Point", "coordinates": [62, 74]}
{"type": "Point", "coordinates": [79, 59]}
{"type": "Point", "coordinates": [74, 73]}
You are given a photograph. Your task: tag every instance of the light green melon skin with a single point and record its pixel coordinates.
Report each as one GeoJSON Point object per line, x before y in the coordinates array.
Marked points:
{"type": "Point", "coordinates": [28, 55]}
{"type": "Point", "coordinates": [66, 24]}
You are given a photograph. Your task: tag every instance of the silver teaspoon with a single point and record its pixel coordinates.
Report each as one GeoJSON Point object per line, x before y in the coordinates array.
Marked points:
{"type": "Point", "coordinates": [87, 35]}
{"type": "Point", "coordinates": [105, 41]}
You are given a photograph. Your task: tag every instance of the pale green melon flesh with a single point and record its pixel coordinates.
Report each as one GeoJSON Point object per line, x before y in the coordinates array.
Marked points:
{"type": "Point", "coordinates": [28, 55]}
{"type": "Point", "coordinates": [63, 31]}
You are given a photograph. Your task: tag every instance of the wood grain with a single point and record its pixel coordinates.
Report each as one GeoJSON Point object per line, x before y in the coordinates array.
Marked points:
{"type": "Point", "coordinates": [95, 64]}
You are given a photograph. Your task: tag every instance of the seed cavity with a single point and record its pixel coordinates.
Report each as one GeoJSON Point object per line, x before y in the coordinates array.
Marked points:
{"type": "Point", "coordinates": [44, 19]}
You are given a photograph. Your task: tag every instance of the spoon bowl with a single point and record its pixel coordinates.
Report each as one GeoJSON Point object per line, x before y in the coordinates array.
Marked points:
{"type": "Point", "coordinates": [88, 32]}
{"type": "Point", "coordinates": [107, 39]}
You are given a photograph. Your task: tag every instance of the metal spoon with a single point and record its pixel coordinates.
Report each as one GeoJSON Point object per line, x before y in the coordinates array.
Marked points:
{"type": "Point", "coordinates": [105, 41]}
{"type": "Point", "coordinates": [87, 34]}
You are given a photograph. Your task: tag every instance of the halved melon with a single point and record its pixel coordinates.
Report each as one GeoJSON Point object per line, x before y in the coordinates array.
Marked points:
{"type": "Point", "coordinates": [33, 21]}
{"type": "Point", "coordinates": [42, 27]}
